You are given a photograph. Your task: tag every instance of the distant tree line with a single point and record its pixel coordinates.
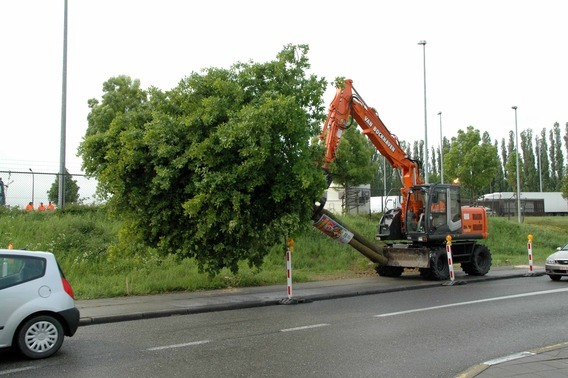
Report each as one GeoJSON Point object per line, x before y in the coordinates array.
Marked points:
{"type": "Point", "coordinates": [541, 160]}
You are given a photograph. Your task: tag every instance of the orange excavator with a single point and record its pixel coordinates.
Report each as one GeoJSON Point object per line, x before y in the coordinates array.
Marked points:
{"type": "Point", "coordinates": [414, 234]}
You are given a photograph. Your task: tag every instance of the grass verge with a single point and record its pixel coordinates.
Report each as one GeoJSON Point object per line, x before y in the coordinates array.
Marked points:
{"type": "Point", "coordinates": [80, 238]}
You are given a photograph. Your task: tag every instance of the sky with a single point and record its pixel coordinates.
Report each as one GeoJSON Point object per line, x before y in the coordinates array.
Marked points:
{"type": "Point", "coordinates": [481, 58]}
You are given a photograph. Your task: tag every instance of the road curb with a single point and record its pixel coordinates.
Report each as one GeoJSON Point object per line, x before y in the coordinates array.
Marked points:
{"type": "Point", "coordinates": [475, 370]}
{"type": "Point", "coordinates": [174, 312]}
{"type": "Point", "coordinates": [93, 320]}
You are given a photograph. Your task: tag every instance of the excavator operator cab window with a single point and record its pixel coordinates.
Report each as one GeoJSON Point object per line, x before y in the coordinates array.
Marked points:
{"type": "Point", "coordinates": [438, 210]}
{"type": "Point", "coordinates": [445, 210]}
{"type": "Point", "coordinates": [415, 211]}
{"type": "Point", "coordinates": [454, 213]}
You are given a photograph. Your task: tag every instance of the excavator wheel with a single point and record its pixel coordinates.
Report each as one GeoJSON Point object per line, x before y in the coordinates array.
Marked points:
{"type": "Point", "coordinates": [389, 271]}
{"type": "Point", "coordinates": [480, 261]}
{"type": "Point", "coordinates": [439, 269]}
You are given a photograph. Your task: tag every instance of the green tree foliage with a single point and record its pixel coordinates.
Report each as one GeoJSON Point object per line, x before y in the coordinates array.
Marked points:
{"type": "Point", "coordinates": [565, 137]}
{"type": "Point", "coordinates": [386, 180]}
{"type": "Point", "coordinates": [497, 182]}
{"type": "Point", "coordinates": [504, 158]}
{"type": "Point", "coordinates": [353, 164]}
{"type": "Point", "coordinates": [434, 169]}
{"type": "Point", "coordinates": [418, 150]}
{"type": "Point", "coordinates": [471, 160]}
{"type": "Point", "coordinates": [538, 154]}
{"type": "Point", "coordinates": [547, 184]}
{"type": "Point", "coordinates": [71, 190]}
{"type": "Point", "coordinates": [530, 174]}
{"type": "Point", "coordinates": [219, 168]}
{"type": "Point", "coordinates": [511, 168]}
{"type": "Point", "coordinates": [564, 188]}
{"type": "Point", "coordinates": [553, 160]}
{"type": "Point", "coordinates": [559, 154]}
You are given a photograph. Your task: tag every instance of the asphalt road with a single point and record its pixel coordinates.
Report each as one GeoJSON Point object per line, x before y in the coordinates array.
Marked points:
{"type": "Point", "coordinates": [429, 332]}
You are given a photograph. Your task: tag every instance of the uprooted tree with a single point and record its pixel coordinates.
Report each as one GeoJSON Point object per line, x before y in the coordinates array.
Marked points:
{"type": "Point", "coordinates": [219, 168]}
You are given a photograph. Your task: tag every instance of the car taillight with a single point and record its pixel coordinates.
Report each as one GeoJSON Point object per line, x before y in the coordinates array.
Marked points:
{"type": "Point", "coordinates": [67, 287]}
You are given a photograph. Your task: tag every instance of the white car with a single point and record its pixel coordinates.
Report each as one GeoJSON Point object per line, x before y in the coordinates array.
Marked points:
{"type": "Point", "coordinates": [557, 264]}
{"type": "Point", "coordinates": [37, 306]}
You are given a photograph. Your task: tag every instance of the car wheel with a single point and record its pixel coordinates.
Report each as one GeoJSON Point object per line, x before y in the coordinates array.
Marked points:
{"type": "Point", "coordinates": [40, 337]}
{"type": "Point", "coordinates": [554, 277]}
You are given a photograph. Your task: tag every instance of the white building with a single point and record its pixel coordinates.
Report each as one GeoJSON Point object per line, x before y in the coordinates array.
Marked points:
{"type": "Point", "coordinates": [356, 201]}
{"type": "Point", "coordinates": [532, 203]}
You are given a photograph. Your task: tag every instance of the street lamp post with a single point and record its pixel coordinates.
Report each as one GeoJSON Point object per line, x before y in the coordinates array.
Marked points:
{"type": "Point", "coordinates": [62, 170]}
{"type": "Point", "coordinates": [423, 43]}
{"type": "Point", "coordinates": [539, 152]}
{"type": "Point", "coordinates": [518, 176]}
{"type": "Point", "coordinates": [441, 151]}
{"type": "Point", "coordinates": [33, 185]}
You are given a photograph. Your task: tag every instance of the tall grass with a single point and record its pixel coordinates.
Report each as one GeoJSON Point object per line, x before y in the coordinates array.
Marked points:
{"type": "Point", "coordinates": [80, 237]}
{"type": "Point", "coordinates": [508, 239]}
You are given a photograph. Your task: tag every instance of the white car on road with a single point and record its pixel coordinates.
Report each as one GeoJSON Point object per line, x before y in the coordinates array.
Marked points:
{"type": "Point", "coordinates": [37, 306]}
{"type": "Point", "coordinates": [557, 264]}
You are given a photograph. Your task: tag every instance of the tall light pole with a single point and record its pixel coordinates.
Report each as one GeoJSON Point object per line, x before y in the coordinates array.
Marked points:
{"type": "Point", "coordinates": [423, 43]}
{"type": "Point", "coordinates": [33, 185]}
{"type": "Point", "coordinates": [539, 152]}
{"type": "Point", "coordinates": [518, 176]}
{"type": "Point", "coordinates": [441, 151]}
{"type": "Point", "coordinates": [61, 189]}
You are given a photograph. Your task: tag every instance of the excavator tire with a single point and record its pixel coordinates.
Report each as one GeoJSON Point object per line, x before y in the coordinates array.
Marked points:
{"type": "Point", "coordinates": [389, 271]}
{"type": "Point", "coordinates": [439, 269]}
{"type": "Point", "coordinates": [480, 261]}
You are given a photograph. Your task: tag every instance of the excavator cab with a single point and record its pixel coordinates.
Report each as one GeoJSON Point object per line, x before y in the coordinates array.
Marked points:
{"type": "Point", "coordinates": [433, 212]}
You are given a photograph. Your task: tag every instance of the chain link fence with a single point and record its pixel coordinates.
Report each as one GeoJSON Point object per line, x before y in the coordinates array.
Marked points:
{"type": "Point", "coordinates": [23, 187]}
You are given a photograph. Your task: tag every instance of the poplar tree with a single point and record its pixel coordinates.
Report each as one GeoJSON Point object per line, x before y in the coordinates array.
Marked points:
{"type": "Point", "coordinates": [559, 157]}
{"type": "Point", "coordinates": [553, 161]}
{"type": "Point", "coordinates": [530, 183]}
{"type": "Point", "coordinates": [504, 159]}
{"type": "Point", "coordinates": [547, 185]}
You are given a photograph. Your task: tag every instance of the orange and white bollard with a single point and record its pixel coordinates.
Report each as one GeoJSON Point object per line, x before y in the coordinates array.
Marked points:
{"type": "Point", "coordinates": [290, 299]}
{"type": "Point", "coordinates": [450, 262]}
{"type": "Point", "coordinates": [531, 272]}
{"type": "Point", "coordinates": [289, 251]}
{"type": "Point", "coordinates": [529, 248]}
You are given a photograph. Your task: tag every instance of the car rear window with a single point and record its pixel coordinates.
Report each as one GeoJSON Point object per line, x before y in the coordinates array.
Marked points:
{"type": "Point", "coordinates": [15, 270]}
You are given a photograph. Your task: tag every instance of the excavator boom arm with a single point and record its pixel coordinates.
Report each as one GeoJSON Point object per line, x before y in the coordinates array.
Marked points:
{"type": "Point", "coordinates": [347, 102]}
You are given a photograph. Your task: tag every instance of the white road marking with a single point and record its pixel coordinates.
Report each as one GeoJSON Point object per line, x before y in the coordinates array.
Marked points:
{"type": "Point", "coordinates": [472, 302]}
{"type": "Point", "coordinates": [304, 327]}
{"type": "Point", "coordinates": [180, 345]}
{"type": "Point", "coordinates": [508, 358]}
{"type": "Point", "coordinates": [18, 370]}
